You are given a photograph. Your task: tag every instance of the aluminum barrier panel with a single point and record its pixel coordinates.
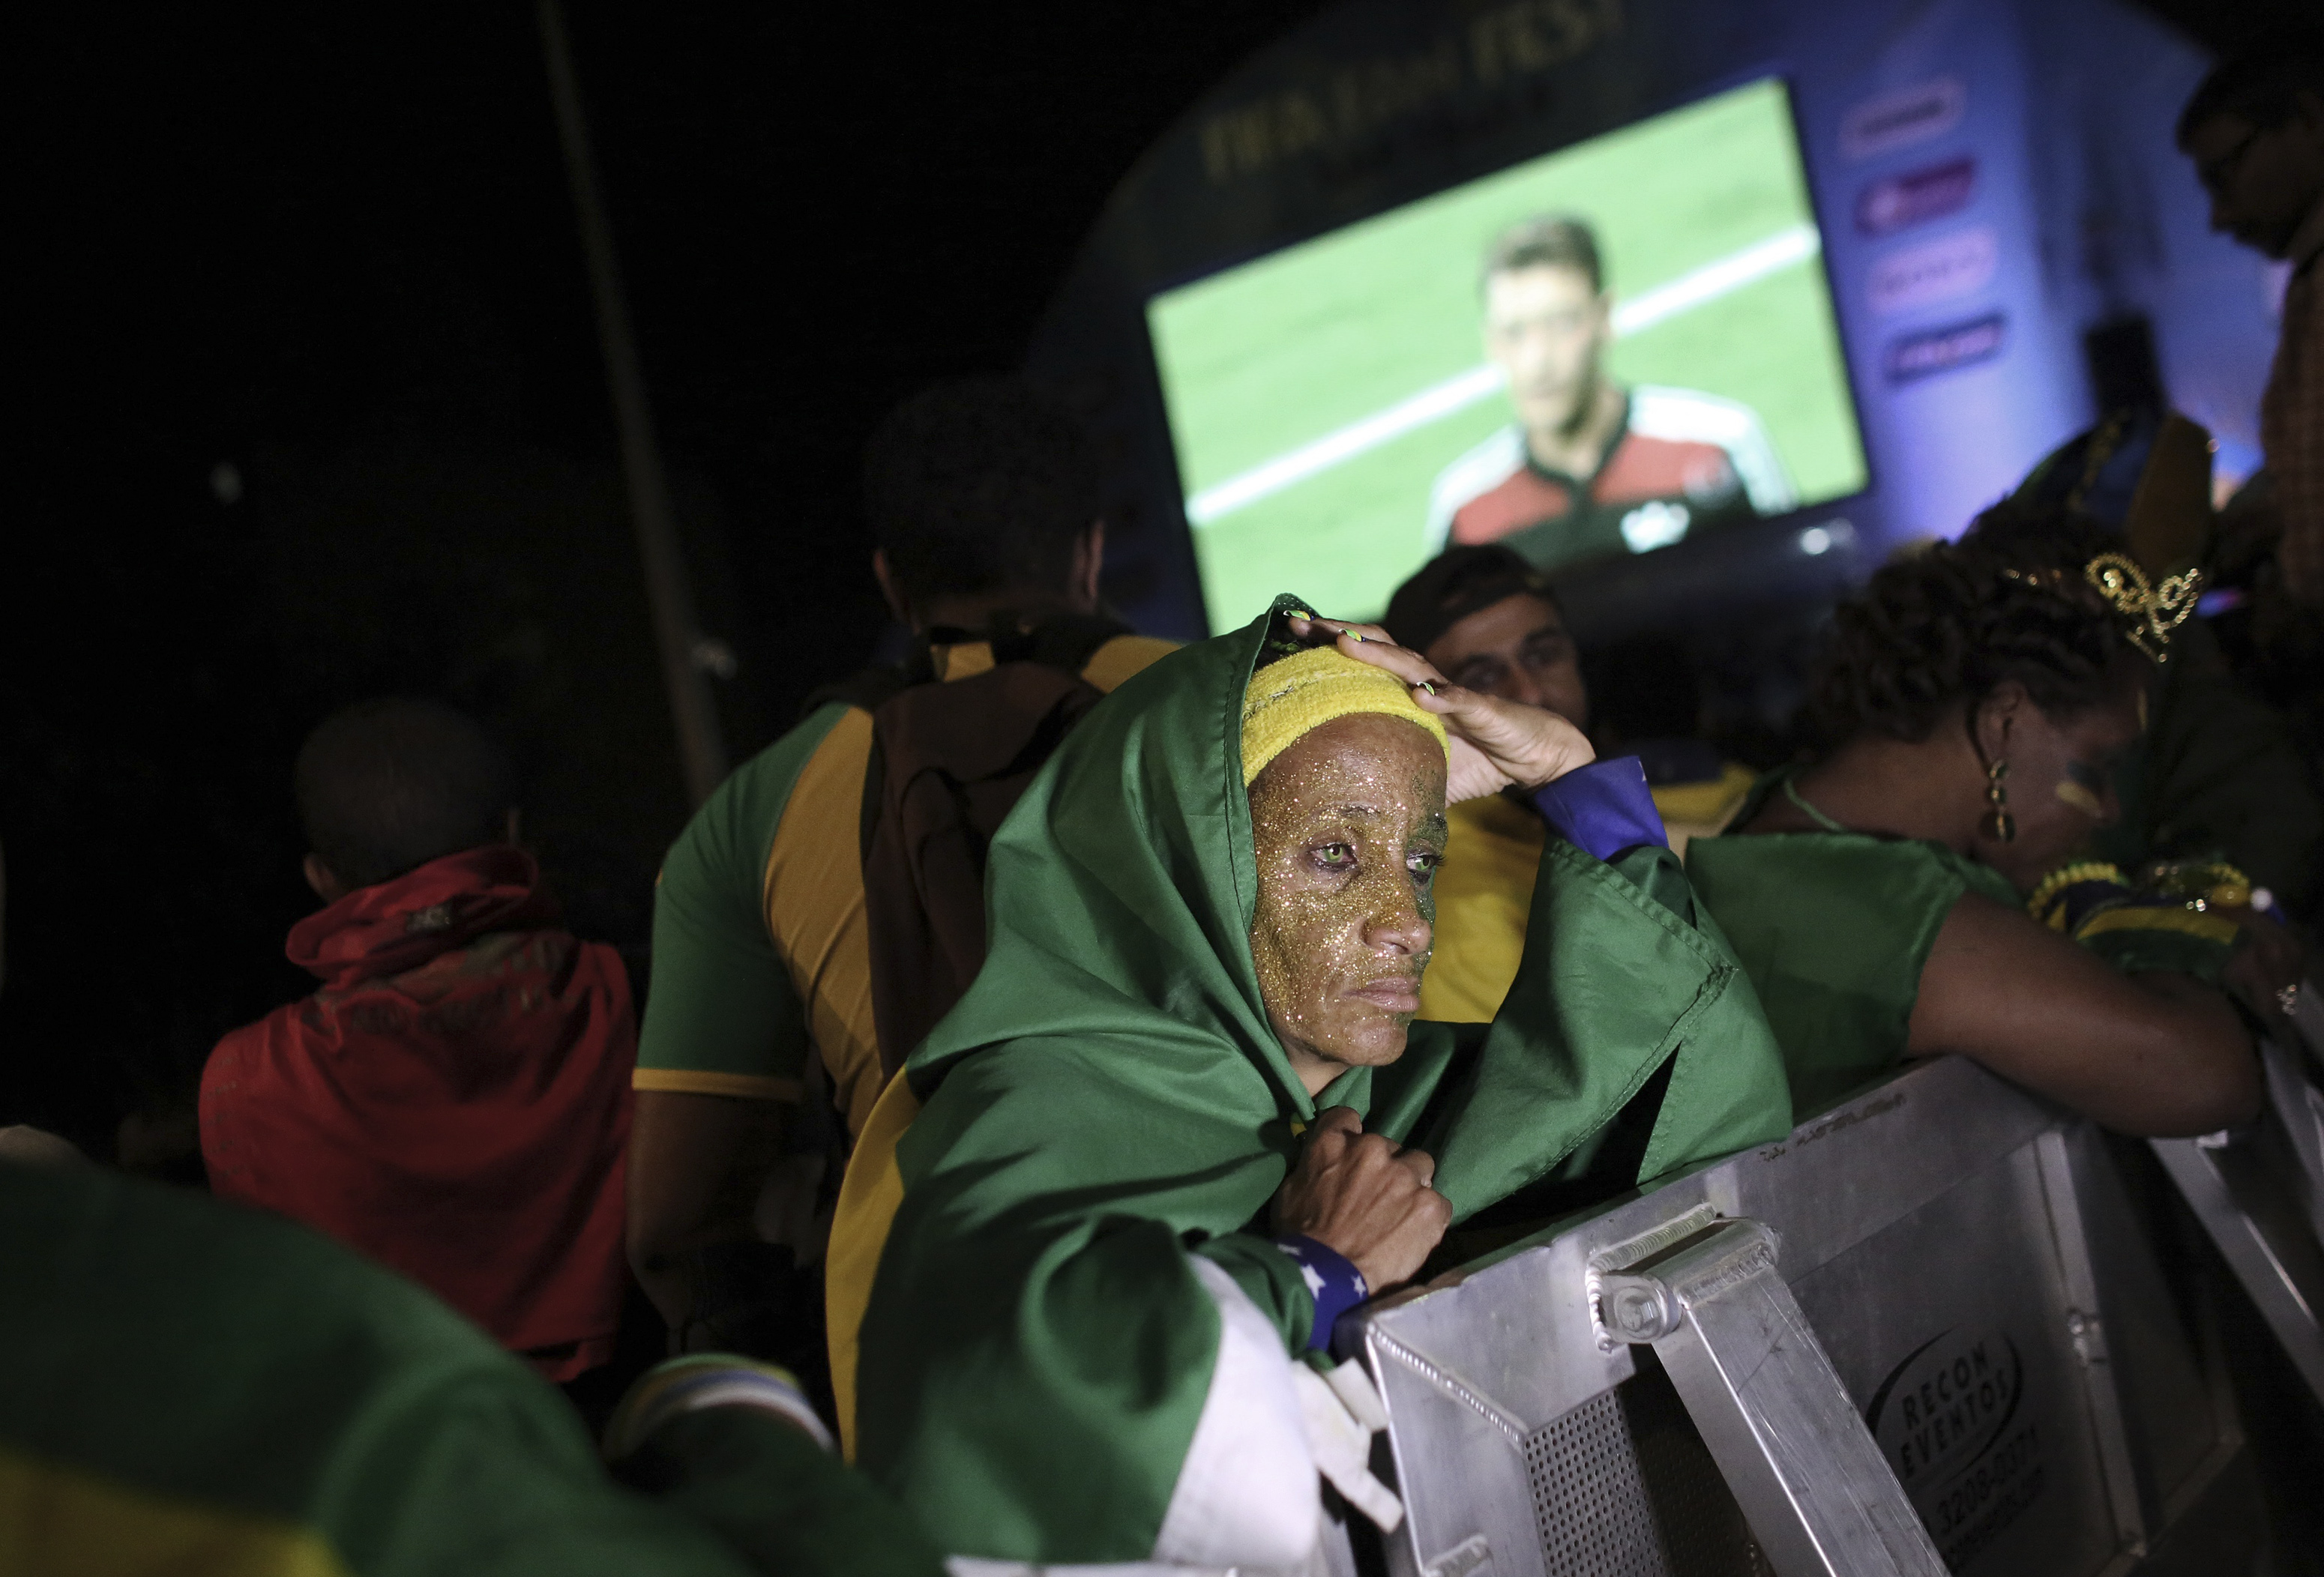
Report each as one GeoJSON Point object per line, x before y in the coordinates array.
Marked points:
{"type": "Point", "coordinates": [1923, 1334]}
{"type": "Point", "coordinates": [2259, 1192]}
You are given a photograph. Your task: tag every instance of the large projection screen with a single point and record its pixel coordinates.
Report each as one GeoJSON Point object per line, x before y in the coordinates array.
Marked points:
{"type": "Point", "coordinates": [1342, 408]}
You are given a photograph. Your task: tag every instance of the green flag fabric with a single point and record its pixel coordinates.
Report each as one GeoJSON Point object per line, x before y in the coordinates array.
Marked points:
{"type": "Point", "coordinates": [193, 1389]}
{"type": "Point", "coordinates": [1059, 1330]}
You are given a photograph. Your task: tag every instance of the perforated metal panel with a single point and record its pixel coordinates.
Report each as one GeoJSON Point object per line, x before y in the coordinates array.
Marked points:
{"type": "Point", "coordinates": [1624, 1486]}
{"type": "Point", "coordinates": [1590, 1493]}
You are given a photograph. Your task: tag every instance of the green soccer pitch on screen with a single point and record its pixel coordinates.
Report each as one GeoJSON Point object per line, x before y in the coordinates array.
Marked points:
{"type": "Point", "coordinates": [1606, 350]}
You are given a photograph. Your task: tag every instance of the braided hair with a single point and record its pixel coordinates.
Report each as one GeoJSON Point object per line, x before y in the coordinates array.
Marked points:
{"type": "Point", "coordinates": [1943, 628]}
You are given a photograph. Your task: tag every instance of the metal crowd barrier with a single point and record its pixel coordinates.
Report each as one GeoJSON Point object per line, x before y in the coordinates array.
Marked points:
{"type": "Point", "coordinates": [1926, 1333]}
{"type": "Point", "coordinates": [2259, 1192]}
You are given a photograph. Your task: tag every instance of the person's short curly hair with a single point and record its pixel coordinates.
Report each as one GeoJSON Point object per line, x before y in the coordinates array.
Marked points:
{"type": "Point", "coordinates": [386, 786]}
{"type": "Point", "coordinates": [1945, 627]}
{"type": "Point", "coordinates": [2261, 83]}
{"type": "Point", "coordinates": [979, 484]}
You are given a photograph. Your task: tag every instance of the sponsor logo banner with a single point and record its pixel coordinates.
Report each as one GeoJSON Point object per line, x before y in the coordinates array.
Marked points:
{"type": "Point", "coordinates": [1943, 269]}
{"type": "Point", "coordinates": [1897, 202]}
{"type": "Point", "coordinates": [1901, 118]}
{"type": "Point", "coordinates": [1913, 356]}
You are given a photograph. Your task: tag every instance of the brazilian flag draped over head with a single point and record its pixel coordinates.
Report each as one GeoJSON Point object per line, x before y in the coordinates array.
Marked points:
{"type": "Point", "coordinates": [1053, 1263]}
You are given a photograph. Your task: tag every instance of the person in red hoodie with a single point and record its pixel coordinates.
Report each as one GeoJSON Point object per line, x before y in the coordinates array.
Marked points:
{"type": "Point", "coordinates": [455, 1101]}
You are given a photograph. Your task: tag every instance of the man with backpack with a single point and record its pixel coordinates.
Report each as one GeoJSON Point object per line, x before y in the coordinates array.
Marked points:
{"type": "Point", "coordinates": [826, 906]}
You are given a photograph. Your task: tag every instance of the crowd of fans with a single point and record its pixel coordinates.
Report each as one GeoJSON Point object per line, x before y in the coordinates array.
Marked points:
{"type": "Point", "coordinates": [1049, 1038]}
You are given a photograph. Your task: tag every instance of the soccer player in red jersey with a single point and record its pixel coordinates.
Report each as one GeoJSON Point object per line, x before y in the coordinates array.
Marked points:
{"type": "Point", "coordinates": [1591, 469]}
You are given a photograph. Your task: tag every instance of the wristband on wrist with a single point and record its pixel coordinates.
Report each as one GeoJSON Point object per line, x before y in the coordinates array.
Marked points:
{"type": "Point", "coordinates": [2070, 894]}
{"type": "Point", "coordinates": [2200, 884]}
{"type": "Point", "coordinates": [1333, 1281]}
{"type": "Point", "coordinates": [706, 1380]}
{"type": "Point", "coordinates": [2167, 925]}
{"type": "Point", "coordinates": [1604, 809]}
{"type": "Point", "coordinates": [2140, 935]}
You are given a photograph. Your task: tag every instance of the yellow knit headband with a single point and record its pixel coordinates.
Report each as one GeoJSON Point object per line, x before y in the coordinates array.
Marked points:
{"type": "Point", "coordinates": [1288, 698]}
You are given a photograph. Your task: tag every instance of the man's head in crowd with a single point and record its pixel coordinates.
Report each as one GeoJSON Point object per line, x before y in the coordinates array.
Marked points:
{"type": "Point", "coordinates": [1549, 319]}
{"type": "Point", "coordinates": [386, 786]}
{"type": "Point", "coordinates": [2254, 128]}
{"type": "Point", "coordinates": [984, 496]}
{"type": "Point", "coordinates": [1488, 621]}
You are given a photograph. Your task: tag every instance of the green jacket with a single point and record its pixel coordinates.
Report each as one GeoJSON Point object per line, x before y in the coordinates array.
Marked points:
{"type": "Point", "coordinates": [1107, 1116]}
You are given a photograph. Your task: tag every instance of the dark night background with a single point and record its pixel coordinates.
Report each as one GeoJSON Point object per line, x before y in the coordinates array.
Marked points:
{"type": "Point", "coordinates": [334, 252]}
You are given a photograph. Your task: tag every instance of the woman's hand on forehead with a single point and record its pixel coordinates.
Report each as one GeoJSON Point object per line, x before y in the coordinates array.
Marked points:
{"type": "Point", "coordinates": [1495, 742]}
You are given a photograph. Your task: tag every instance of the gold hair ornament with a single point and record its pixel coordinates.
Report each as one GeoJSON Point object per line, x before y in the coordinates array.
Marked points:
{"type": "Point", "coordinates": [2150, 613]}
{"type": "Point", "coordinates": [2152, 610]}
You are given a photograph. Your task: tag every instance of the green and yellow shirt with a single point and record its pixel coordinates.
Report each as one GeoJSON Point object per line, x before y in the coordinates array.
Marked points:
{"type": "Point", "coordinates": [761, 947]}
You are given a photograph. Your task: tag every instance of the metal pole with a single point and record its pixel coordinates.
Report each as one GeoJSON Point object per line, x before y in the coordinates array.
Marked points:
{"type": "Point", "coordinates": [701, 754]}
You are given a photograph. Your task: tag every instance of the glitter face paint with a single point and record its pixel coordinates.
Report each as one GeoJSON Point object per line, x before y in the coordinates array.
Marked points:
{"type": "Point", "coordinates": [2078, 797]}
{"type": "Point", "coordinates": [1347, 824]}
{"type": "Point", "coordinates": [2084, 786]}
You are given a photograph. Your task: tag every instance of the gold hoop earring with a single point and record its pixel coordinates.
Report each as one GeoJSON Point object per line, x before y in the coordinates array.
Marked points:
{"type": "Point", "coordinates": [1997, 823]}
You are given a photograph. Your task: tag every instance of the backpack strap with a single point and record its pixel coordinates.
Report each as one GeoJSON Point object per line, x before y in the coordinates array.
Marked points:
{"type": "Point", "coordinates": [947, 763]}
{"type": "Point", "coordinates": [870, 688]}
{"type": "Point", "coordinates": [1065, 640]}
{"type": "Point", "coordinates": [875, 793]}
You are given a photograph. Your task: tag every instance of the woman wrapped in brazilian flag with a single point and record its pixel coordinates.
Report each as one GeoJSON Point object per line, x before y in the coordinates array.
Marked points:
{"type": "Point", "coordinates": [1094, 1239]}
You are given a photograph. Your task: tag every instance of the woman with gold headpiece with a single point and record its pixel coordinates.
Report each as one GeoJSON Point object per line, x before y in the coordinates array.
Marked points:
{"type": "Point", "coordinates": [2221, 774]}
{"type": "Point", "coordinates": [1915, 891]}
{"type": "Point", "coordinates": [1184, 1118]}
